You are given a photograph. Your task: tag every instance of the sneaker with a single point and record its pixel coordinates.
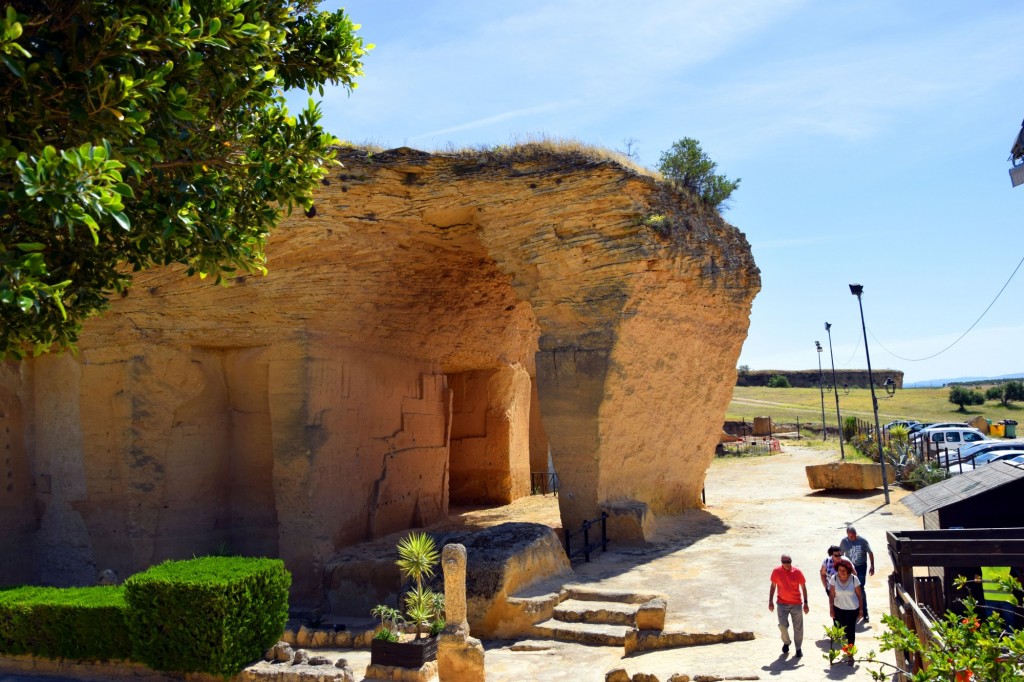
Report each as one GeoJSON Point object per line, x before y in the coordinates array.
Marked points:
{"type": "Point", "coordinates": [799, 653]}
{"type": "Point", "coordinates": [785, 648]}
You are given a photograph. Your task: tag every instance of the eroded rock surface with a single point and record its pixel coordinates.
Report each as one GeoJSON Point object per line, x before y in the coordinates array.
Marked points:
{"type": "Point", "coordinates": [384, 369]}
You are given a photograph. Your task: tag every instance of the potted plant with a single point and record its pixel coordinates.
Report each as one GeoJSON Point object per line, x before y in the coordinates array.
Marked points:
{"type": "Point", "coordinates": [417, 559]}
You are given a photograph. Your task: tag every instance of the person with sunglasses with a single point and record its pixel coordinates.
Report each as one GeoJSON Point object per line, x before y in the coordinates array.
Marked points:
{"type": "Point", "coordinates": [790, 583]}
{"type": "Point", "coordinates": [828, 566]}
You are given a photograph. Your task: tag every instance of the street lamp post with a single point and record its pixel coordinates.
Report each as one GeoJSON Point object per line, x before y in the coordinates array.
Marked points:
{"type": "Point", "coordinates": [839, 419]}
{"type": "Point", "coordinates": [821, 389]}
{"type": "Point", "coordinates": [857, 290]}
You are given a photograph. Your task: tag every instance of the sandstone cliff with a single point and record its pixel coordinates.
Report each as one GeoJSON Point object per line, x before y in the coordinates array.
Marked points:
{"type": "Point", "coordinates": [384, 369]}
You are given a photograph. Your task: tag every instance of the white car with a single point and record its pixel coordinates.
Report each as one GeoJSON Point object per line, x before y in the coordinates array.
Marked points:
{"type": "Point", "coordinates": [988, 458]}
{"type": "Point", "coordinates": [972, 450]}
{"type": "Point", "coordinates": [939, 440]}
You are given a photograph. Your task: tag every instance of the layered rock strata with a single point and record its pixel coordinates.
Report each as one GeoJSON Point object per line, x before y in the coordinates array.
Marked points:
{"type": "Point", "coordinates": [385, 368]}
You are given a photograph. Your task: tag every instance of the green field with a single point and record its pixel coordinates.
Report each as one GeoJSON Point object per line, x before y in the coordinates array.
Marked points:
{"type": "Point", "coordinates": [922, 404]}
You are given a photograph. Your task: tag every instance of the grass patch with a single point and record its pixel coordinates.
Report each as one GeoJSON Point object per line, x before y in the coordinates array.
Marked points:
{"type": "Point", "coordinates": [922, 404]}
{"type": "Point", "coordinates": [525, 146]}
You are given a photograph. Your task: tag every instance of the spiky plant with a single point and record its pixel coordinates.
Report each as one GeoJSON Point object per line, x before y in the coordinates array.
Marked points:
{"type": "Point", "coordinates": [417, 558]}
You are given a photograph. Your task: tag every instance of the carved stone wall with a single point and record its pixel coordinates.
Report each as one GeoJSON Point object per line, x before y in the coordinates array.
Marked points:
{"type": "Point", "coordinates": [304, 411]}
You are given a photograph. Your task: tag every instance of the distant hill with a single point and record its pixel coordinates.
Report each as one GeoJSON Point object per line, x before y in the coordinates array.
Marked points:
{"type": "Point", "coordinates": [938, 383]}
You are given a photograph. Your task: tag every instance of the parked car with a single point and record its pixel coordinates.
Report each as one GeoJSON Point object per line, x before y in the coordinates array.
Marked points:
{"type": "Point", "coordinates": [938, 439]}
{"type": "Point", "coordinates": [941, 425]}
{"type": "Point", "coordinates": [918, 427]}
{"type": "Point", "coordinates": [995, 456]}
{"type": "Point", "coordinates": [987, 458]}
{"type": "Point", "coordinates": [974, 449]}
{"type": "Point", "coordinates": [901, 422]}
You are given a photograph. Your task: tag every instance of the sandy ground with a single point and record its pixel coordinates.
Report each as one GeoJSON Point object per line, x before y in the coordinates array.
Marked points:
{"type": "Point", "coordinates": [714, 564]}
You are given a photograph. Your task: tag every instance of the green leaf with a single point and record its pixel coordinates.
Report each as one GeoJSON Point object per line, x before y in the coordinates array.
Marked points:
{"type": "Point", "coordinates": [124, 190]}
{"type": "Point", "coordinates": [121, 219]}
{"type": "Point", "coordinates": [14, 66]}
{"type": "Point", "coordinates": [214, 26]}
{"type": "Point", "coordinates": [30, 246]}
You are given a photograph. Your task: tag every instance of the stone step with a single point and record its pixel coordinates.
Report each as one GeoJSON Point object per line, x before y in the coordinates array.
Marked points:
{"type": "Point", "coordinates": [582, 593]}
{"type": "Point", "coordinates": [608, 613]}
{"type": "Point", "coordinates": [594, 634]}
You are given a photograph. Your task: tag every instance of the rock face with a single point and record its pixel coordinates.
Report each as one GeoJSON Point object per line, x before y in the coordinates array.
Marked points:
{"type": "Point", "coordinates": [384, 369]}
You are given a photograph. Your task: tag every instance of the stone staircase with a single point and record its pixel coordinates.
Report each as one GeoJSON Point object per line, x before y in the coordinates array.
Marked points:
{"type": "Point", "coordinates": [596, 617]}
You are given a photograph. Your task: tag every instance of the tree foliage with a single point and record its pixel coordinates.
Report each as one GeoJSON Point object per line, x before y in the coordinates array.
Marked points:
{"type": "Point", "coordinates": [964, 396]}
{"type": "Point", "coordinates": [145, 132]}
{"type": "Point", "coordinates": [1011, 391]}
{"type": "Point", "coordinates": [778, 381]}
{"type": "Point", "coordinates": [686, 166]}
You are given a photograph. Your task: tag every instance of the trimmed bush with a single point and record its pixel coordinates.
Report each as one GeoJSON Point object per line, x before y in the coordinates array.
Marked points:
{"type": "Point", "coordinates": [212, 614]}
{"type": "Point", "coordinates": [80, 623]}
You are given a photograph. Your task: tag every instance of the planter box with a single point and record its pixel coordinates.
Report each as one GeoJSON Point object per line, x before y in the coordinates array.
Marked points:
{"type": "Point", "coordinates": [412, 654]}
{"type": "Point", "coordinates": [844, 476]}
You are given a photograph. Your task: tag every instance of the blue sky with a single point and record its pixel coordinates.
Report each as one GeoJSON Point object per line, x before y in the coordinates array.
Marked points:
{"type": "Point", "coordinates": [871, 139]}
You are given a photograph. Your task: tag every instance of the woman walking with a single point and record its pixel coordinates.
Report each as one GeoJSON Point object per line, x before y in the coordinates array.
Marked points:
{"type": "Point", "coordinates": [846, 601]}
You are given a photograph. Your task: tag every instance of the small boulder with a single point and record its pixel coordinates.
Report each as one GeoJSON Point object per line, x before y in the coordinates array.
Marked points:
{"type": "Point", "coordinates": [616, 675]}
{"type": "Point", "coordinates": [279, 653]}
{"type": "Point", "coordinates": [301, 657]}
{"type": "Point", "coordinates": [319, 660]}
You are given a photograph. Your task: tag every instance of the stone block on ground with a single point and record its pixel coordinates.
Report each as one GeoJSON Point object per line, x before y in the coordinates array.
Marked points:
{"type": "Point", "coordinates": [651, 616]}
{"type": "Point", "coordinates": [427, 673]}
{"type": "Point", "coordinates": [460, 658]}
{"type": "Point", "coordinates": [762, 426]}
{"type": "Point", "coordinates": [844, 476]}
{"type": "Point", "coordinates": [653, 640]}
{"type": "Point", "coordinates": [616, 675]}
{"type": "Point", "coordinates": [629, 521]}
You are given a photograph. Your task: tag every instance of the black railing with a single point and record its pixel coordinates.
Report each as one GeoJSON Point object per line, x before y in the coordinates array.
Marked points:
{"type": "Point", "coordinates": [543, 483]}
{"type": "Point", "coordinates": [588, 546]}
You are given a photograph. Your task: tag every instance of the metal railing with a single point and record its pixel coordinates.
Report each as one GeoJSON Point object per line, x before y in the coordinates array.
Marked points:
{"type": "Point", "coordinates": [587, 547]}
{"type": "Point", "coordinates": [543, 483]}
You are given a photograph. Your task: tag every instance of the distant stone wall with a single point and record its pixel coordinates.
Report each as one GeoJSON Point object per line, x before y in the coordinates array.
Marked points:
{"type": "Point", "coordinates": [808, 378]}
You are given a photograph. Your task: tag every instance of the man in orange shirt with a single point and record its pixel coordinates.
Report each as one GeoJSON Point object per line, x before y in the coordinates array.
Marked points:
{"type": "Point", "coordinates": [791, 586]}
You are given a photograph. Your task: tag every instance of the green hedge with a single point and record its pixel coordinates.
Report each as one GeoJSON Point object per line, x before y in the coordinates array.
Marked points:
{"type": "Point", "coordinates": [212, 614]}
{"type": "Point", "coordinates": [82, 623]}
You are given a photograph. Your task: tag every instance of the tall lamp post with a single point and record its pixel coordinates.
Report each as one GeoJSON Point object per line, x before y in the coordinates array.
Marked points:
{"type": "Point", "coordinates": [857, 290]}
{"type": "Point", "coordinates": [835, 387]}
{"type": "Point", "coordinates": [821, 389]}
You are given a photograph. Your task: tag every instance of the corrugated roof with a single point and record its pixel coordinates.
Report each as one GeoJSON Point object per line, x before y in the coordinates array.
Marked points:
{"type": "Point", "coordinates": [963, 486]}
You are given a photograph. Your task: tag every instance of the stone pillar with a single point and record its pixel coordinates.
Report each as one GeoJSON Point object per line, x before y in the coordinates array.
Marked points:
{"type": "Point", "coordinates": [460, 658]}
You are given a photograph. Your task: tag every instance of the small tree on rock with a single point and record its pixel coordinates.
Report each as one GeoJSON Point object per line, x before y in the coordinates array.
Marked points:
{"type": "Point", "coordinates": [964, 396]}
{"type": "Point", "coordinates": [686, 166]}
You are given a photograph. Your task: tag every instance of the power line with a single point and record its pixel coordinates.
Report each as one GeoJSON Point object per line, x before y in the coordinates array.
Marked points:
{"type": "Point", "coordinates": [983, 313]}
